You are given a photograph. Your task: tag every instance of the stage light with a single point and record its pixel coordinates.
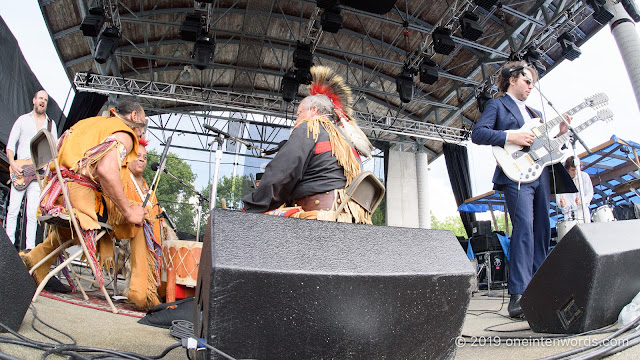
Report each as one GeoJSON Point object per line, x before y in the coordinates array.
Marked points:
{"type": "Point", "coordinates": [428, 71]}
{"type": "Point", "coordinates": [442, 41]}
{"type": "Point", "coordinates": [404, 85]}
{"type": "Point", "coordinates": [303, 76]}
{"type": "Point", "coordinates": [203, 51]}
{"type": "Point", "coordinates": [569, 50]}
{"type": "Point", "coordinates": [331, 20]}
{"type": "Point", "coordinates": [327, 4]}
{"type": "Point", "coordinates": [533, 57]}
{"type": "Point", "coordinates": [107, 44]}
{"type": "Point", "coordinates": [185, 74]}
{"type": "Point", "coordinates": [302, 56]}
{"type": "Point", "coordinates": [631, 9]}
{"type": "Point", "coordinates": [600, 14]}
{"type": "Point", "coordinates": [482, 99]}
{"type": "Point", "coordinates": [191, 28]}
{"type": "Point", "coordinates": [92, 23]}
{"type": "Point", "coordinates": [469, 26]}
{"type": "Point", "coordinates": [486, 4]}
{"type": "Point", "coordinates": [289, 86]}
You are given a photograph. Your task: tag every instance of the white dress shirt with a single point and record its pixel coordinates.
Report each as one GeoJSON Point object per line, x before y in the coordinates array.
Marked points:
{"type": "Point", "coordinates": [23, 130]}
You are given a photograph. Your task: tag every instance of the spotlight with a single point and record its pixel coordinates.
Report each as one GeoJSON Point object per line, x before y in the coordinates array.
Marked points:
{"type": "Point", "coordinates": [404, 85]}
{"type": "Point", "coordinates": [92, 23]}
{"type": "Point", "coordinates": [486, 4]}
{"type": "Point", "coordinates": [185, 75]}
{"type": "Point", "coordinates": [631, 9]}
{"type": "Point", "coordinates": [533, 57]}
{"type": "Point", "coordinates": [483, 98]}
{"type": "Point", "coordinates": [442, 41]}
{"type": "Point", "coordinates": [600, 14]}
{"type": "Point", "coordinates": [191, 28]}
{"type": "Point", "coordinates": [107, 44]}
{"type": "Point", "coordinates": [289, 86]}
{"type": "Point", "coordinates": [569, 50]}
{"type": "Point", "coordinates": [331, 20]}
{"type": "Point", "coordinates": [302, 56]}
{"type": "Point", "coordinates": [203, 51]}
{"type": "Point", "coordinates": [469, 26]}
{"type": "Point", "coordinates": [428, 71]}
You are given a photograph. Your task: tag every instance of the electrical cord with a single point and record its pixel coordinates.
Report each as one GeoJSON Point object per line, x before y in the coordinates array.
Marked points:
{"type": "Point", "coordinates": [183, 330]}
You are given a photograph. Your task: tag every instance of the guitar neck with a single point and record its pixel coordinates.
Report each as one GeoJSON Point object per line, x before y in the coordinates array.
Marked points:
{"type": "Point", "coordinates": [557, 120]}
{"type": "Point", "coordinates": [557, 142]}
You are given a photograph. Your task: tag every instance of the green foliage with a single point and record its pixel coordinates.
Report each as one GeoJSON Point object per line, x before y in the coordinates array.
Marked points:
{"type": "Point", "coordinates": [231, 189]}
{"type": "Point", "coordinates": [172, 195]}
{"type": "Point", "coordinates": [379, 216]}
{"type": "Point", "coordinates": [453, 223]}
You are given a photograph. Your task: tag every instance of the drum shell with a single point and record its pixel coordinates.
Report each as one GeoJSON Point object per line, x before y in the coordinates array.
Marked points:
{"type": "Point", "coordinates": [185, 258]}
{"type": "Point", "coordinates": [603, 213]}
{"type": "Point", "coordinates": [564, 226]}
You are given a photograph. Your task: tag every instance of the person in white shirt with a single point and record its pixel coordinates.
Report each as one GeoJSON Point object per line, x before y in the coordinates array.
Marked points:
{"type": "Point", "coordinates": [571, 203]}
{"type": "Point", "coordinates": [23, 130]}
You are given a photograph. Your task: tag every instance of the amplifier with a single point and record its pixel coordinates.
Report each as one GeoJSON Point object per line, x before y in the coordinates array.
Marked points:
{"type": "Point", "coordinates": [480, 228]}
{"type": "Point", "coordinates": [497, 264]}
{"type": "Point", "coordinates": [482, 243]}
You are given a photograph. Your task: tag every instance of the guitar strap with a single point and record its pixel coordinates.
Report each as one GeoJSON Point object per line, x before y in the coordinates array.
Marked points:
{"type": "Point", "coordinates": [49, 124]}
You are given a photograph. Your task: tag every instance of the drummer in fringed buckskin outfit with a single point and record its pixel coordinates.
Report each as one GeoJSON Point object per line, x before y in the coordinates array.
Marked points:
{"type": "Point", "coordinates": [90, 155]}
{"type": "Point", "coordinates": [308, 176]}
{"type": "Point", "coordinates": [144, 242]}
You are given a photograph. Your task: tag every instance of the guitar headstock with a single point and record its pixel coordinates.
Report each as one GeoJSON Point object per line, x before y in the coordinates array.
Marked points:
{"type": "Point", "coordinates": [597, 100]}
{"type": "Point", "coordinates": [605, 115]}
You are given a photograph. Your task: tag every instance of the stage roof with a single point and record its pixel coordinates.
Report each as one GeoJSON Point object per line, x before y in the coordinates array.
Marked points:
{"type": "Point", "coordinates": [255, 41]}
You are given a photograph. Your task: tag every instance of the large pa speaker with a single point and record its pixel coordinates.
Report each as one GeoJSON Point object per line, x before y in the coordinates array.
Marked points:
{"type": "Point", "coordinates": [271, 287]}
{"type": "Point", "coordinates": [586, 279]}
{"type": "Point", "coordinates": [16, 286]}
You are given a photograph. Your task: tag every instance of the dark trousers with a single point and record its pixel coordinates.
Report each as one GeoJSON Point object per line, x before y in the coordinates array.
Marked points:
{"type": "Point", "coordinates": [529, 212]}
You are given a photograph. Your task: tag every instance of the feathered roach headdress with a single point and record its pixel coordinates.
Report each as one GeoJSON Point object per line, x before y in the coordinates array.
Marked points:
{"type": "Point", "coordinates": [325, 82]}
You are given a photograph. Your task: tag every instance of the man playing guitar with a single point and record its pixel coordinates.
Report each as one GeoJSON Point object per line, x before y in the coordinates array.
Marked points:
{"type": "Point", "coordinates": [19, 154]}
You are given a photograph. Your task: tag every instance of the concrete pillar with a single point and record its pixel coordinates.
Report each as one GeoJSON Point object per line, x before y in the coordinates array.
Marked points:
{"type": "Point", "coordinates": [402, 190]}
{"type": "Point", "coordinates": [422, 183]}
{"type": "Point", "coordinates": [624, 31]}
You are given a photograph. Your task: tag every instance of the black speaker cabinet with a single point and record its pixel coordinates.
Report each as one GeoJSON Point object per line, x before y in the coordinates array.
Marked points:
{"type": "Point", "coordinates": [586, 280]}
{"type": "Point", "coordinates": [278, 288]}
{"type": "Point", "coordinates": [16, 286]}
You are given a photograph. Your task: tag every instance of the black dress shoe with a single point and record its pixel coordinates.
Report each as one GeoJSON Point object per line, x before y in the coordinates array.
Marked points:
{"type": "Point", "coordinates": [514, 306]}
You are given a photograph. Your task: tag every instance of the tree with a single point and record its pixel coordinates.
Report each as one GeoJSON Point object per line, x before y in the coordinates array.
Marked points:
{"type": "Point", "coordinates": [379, 216]}
{"type": "Point", "coordinates": [453, 223]}
{"type": "Point", "coordinates": [231, 189]}
{"type": "Point", "coordinates": [172, 195]}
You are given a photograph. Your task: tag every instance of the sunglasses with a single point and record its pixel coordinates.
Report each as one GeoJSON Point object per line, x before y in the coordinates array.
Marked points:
{"type": "Point", "coordinates": [527, 80]}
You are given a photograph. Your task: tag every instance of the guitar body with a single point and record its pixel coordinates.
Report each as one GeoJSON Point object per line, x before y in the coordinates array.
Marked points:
{"type": "Point", "coordinates": [525, 164]}
{"type": "Point", "coordinates": [28, 175]}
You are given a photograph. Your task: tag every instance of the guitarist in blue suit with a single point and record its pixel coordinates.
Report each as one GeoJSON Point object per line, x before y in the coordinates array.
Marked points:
{"type": "Point", "coordinates": [528, 203]}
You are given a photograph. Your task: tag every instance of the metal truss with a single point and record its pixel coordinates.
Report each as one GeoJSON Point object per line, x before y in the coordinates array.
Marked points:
{"type": "Point", "coordinates": [382, 128]}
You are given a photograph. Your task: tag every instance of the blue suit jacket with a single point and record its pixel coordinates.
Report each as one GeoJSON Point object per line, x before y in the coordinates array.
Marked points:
{"type": "Point", "coordinates": [500, 114]}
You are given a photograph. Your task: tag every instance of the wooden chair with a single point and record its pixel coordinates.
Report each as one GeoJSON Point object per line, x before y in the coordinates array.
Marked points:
{"type": "Point", "coordinates": [43, 152]}
{"type": "Point", "coordinates": [366, 190]}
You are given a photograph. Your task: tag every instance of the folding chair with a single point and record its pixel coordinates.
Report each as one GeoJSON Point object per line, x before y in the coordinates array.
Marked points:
{"type": "Point", "coordinates": [366, 190]}
{"type": "Point", "coordinates": [43, 151]}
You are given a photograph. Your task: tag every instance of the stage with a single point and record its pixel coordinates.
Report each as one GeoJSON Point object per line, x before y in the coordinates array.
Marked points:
{"type": "Point", "coordinates": [488, 333]}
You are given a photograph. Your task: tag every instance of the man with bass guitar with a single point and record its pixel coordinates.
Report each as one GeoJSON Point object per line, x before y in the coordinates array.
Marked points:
{"type": "Point", "coordinates": [527, 201]}
{"type": "Point", "coordinates": [21, 167]}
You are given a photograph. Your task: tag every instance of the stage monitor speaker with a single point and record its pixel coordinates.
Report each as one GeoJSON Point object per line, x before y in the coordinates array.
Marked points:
{"type": "Point", "coordinates": [586, 279]}
{"type": "Point", "coordinates": [16, 286]}
{"type": "Point", "coordinates": [272, 287]}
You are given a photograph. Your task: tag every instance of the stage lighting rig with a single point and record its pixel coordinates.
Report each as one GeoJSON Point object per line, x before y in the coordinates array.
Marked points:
{"type": "Point", "coordinates": [289, 86]}
{"type": "Point", "coordinates": [404, 84]}
{"type": "Point", "coordinates": [331, 20]}
{"type": "Point", "coordinates": [428, 71]}
{"type": "Point", "coordinates": [600, 14]}
{"type": "Point", "coordinates": [203, 51]}
{"type": "Point", "coordinates": [631, 9]}
{"type": "Point", "coordinates": [442, 41]}
{"type": "Point", "coordinates": [483, 98]}
{"type": "Point", "coordinates": [93, 22]}
{"type": "Point", "coordinates": [569, 50]}
{"type": "Point", "coordinates": [533, 56]}
{"type": "Point", "coordinates": [191, 28]}
{"type": "Point", "coordinates": [469, 26]}
{"type": "Point", "coordinates": [107, 44]}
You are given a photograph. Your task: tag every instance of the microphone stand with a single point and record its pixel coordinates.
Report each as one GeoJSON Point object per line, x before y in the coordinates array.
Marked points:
{"type": "Point", "coordinates": [201, 199]}
{"type": "Point", "coordinates": [220, 140]}
{"type": "Point", "coordinates": [575, 136]}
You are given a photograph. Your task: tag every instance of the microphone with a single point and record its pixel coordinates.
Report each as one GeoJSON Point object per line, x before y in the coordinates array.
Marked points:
{"type": "Point", "coordinates": [273, 150]}
{"type": "Point", "coordinates": [508, 72]}
{"type": "Point", "coordinates": [155, 167]}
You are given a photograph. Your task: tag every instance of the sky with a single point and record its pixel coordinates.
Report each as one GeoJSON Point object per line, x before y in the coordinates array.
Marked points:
{"type": "Point", "coordinates": [598, 69]}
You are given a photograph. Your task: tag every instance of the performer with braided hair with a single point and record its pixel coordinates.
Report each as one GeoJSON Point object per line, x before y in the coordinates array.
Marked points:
{"type": "Point", "coordinates": [307, 178]}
